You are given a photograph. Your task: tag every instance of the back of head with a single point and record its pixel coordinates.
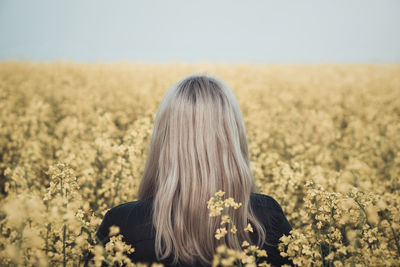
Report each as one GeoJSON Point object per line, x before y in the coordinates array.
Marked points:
{"type": "Point", "coordinates": [198, 147]}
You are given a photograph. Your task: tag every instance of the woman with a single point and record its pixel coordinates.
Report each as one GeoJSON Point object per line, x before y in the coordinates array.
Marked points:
{"type": "Point", "coordinates": [198, 147]}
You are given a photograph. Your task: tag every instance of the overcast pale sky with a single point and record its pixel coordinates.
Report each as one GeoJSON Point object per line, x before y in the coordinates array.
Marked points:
{"type": "Point", "coordinates": [252, 31]}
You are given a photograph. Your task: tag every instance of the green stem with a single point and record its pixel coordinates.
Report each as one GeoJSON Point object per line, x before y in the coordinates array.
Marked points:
{"type": "Point", "coordinates": [363, 210]}
{"type": "Point", "coordinates": [47, 232]}
{"type": "Point", "coordinates": [235, 236]}
{"type": "Point", "coordinates": [319, 230]}
{"type": "Point", "coordinates": [366, 221]}
{"type": "Point", "coordinates": [64, 225]}
{"type": "Point", "coordinates": [64, 258]}
{"type": "Point", "coordinates": [329, 232]}
{"type": "Point", "coordinates": [396, 240]}
{"type": "Point", "coordinates": [19, 244]}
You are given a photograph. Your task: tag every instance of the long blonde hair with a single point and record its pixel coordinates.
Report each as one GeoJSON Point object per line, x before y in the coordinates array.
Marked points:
{"type": "Point", "coordinates": [198, 147]}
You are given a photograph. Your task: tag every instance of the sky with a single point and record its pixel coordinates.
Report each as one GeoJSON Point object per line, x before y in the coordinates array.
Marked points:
{"type": "Point", "coordinates": [232, 31]}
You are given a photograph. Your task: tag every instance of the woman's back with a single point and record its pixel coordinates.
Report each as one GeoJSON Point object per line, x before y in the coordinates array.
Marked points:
{"type": "Point", "coordinates": [135, 222]}
{"type": "Point", "coordinates": [198, 147]}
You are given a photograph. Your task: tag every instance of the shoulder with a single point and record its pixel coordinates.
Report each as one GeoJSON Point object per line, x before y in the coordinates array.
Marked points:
{"type": "Point", "coordinates": [260, 200]}
{"type": "Point", "coordinates": [128, 216]}
{"type": "Point", "coordinates": [138, 204]}
{"type": "Point", "coordinates": [122, 211]}
{"type": "Point", "coordinates": [270, 213]}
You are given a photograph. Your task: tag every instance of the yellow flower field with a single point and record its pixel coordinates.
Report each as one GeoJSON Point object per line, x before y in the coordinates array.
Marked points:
{"type": "Point", "coordinates": [324, 142]}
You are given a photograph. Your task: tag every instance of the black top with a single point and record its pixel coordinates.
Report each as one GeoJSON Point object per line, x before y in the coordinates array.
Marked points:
{"type": "Point", "coordinates": [135, 223]}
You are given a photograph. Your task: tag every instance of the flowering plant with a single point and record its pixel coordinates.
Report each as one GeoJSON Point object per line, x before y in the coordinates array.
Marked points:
{"type": "Point", "coordinates": [244, 254]}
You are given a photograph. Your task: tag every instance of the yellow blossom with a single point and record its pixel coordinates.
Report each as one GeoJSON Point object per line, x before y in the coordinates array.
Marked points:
{"type": "Point", "coordinates": [221, 232]}
{"type": "Point", "coordinates": [219, 193]}
{"type": "Point", "coordinates": [224, 219]}
{"type": "Point", "coordinates": [261, 253]}
{"type": "Point", "coordinates": [114, 229]}
{"type": "Point", "coordinates": [245, 244]}
{"type": "Point", "coordinates": [248, 228]}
